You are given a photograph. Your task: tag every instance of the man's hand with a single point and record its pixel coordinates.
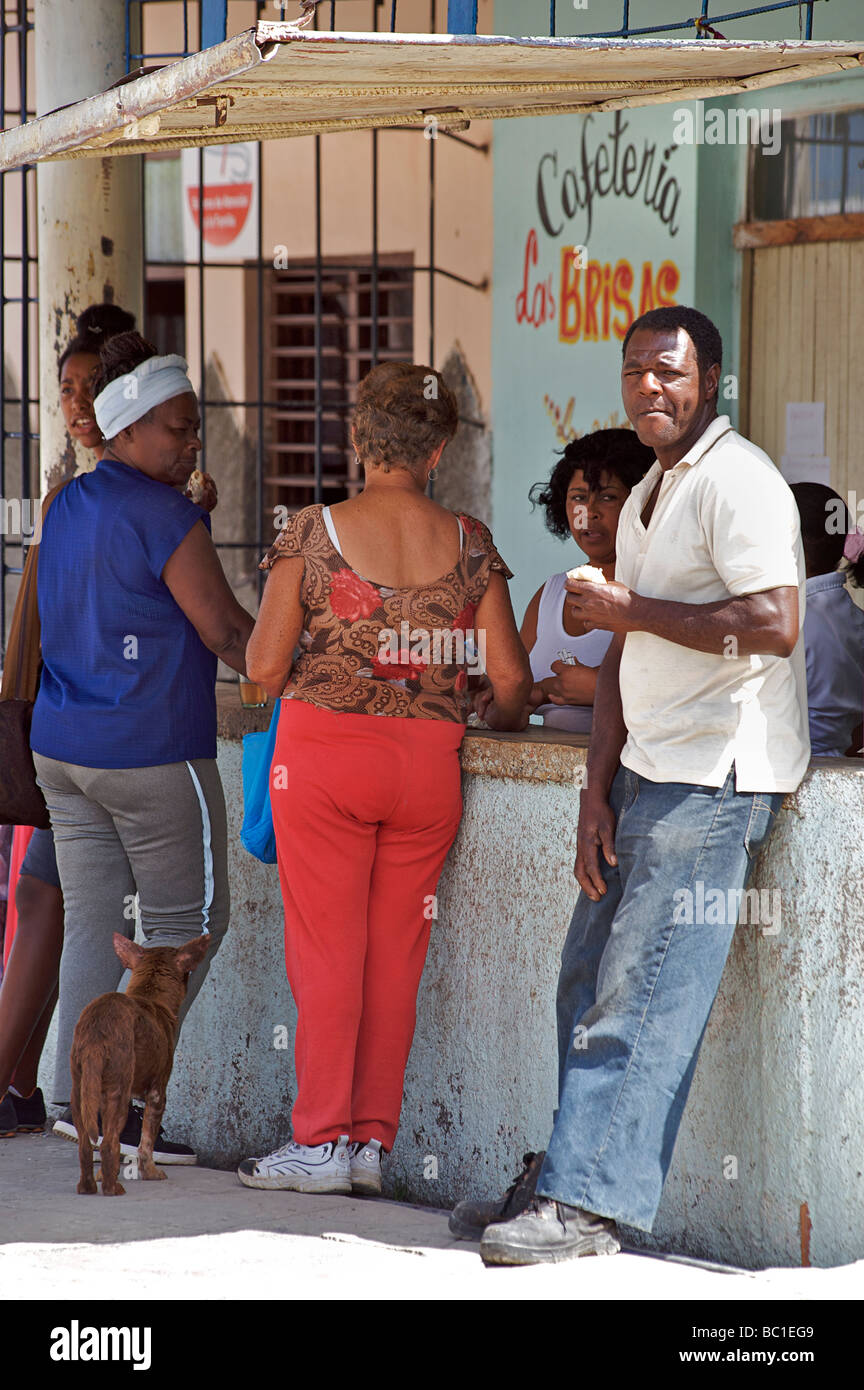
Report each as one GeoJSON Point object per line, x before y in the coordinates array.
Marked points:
{"type": "Point", "coordinates": [608, 606]}
{"type": "Point", "coordinates": [595, 832]}
{"type": "Point", "coordinates": [482, 701]}
{"type": "Point", "coordinates": [571, 684]}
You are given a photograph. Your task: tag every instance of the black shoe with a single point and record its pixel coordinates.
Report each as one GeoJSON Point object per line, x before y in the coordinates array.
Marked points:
{"type": "Point", "coordinates": [8, 1118]}
{"type": "Point", "coordinates": [548, 1232]}
{"type": "Point", "coordinates": [30, 1111]}
{"type": "Point", "coordinates": [470, 1219]}
{"type": "Point", "coordinates": [164, 1151]}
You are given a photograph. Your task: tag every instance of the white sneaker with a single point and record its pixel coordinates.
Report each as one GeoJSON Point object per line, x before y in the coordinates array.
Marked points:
{"type": "Point", "coordinates": [298, 1168]}
{"type": "Point", "coordinates": [366, 1167]}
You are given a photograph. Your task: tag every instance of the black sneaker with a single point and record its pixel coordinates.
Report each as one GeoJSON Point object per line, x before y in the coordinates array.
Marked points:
{"type": "Point", "coordinates": [30, 1111]}
{"type": "Point", "coordinates": [8, 1118]}
{"type": "Point", "coordinates": [164, 1151]}
{"type": "Point", "coordinates": [548, 1232]}
{"type": "Point", "coordinates": [470, 1219]}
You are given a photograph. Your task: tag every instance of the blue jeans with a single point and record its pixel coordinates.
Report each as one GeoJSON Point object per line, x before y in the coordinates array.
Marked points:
{"type": "Point", "coordinates": [639, 973]}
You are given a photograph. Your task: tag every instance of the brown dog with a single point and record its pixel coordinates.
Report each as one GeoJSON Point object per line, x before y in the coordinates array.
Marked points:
{"type": "Point", "coordinates": [123, 1047]}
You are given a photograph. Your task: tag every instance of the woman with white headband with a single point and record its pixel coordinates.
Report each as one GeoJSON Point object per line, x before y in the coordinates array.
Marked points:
{"type": "Point", "coordinates": [135, 609]}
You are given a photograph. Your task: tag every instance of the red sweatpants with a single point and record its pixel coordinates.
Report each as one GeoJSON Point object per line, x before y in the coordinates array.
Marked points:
{"type": "Point", "coordinates": [365, 809]}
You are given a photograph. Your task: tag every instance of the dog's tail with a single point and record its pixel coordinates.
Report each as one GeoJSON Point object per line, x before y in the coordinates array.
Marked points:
{"type": "Point", "coordinates": [90, 1089]}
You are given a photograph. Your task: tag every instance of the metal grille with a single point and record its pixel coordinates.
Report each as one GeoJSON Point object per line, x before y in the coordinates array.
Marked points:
{"type": "Point", "coordinates": [352, 339]}
{"type": "Point", "coordinates": [200, 24]}
{"type": "Point", "coordinates": [704, 23]}
{"type": "Point", "coordinates": [302, 429]}
{"type": "Point", "coordinates": [298, 425]}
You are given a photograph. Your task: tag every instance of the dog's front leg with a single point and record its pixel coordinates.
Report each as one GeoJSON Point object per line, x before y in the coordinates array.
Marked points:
{"type": "Point", "coordinates": [154, 1107]}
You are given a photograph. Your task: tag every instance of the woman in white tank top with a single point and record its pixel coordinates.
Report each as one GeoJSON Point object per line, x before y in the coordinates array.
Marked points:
{"type": "Point", "coordinates": [583, 499]}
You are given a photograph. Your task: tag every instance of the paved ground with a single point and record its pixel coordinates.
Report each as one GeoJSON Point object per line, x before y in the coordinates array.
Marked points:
{"type": "Point", "coordinates": [201, 1234]}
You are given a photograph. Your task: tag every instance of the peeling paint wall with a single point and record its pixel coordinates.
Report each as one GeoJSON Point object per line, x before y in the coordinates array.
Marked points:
{"type": "Point", "coordinates": [779, 1082]}
{"type": "Point", "coordinates": [89, 211]}
{"type": "Point", "coordinates": [779, 1086]}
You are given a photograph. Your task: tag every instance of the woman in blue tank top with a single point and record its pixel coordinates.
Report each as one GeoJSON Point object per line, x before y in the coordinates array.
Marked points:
{"type": "Point", "coordinates": [135, 609]}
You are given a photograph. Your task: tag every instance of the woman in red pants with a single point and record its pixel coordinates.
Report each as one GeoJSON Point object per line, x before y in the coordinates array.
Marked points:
{"type": "Point", "coordinates": [393, 602]}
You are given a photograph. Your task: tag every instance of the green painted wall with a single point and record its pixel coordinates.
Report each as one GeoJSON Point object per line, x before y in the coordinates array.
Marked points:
{"type": "Point", "coordinates": [721, 186]}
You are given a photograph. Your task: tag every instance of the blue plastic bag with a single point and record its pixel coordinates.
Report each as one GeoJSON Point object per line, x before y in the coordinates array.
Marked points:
{"type": "Point", "coordinates": [257, 835]}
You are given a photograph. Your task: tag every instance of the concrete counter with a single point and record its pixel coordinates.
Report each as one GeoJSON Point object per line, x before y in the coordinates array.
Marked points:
{"type": "Point", "coordinates": [769, 1160]}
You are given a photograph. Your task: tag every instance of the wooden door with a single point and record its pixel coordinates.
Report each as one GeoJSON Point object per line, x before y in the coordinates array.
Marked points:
{"type": "Point", "coordinates": [806, 312]}
{"type": "Point", "coordinates": [806, 305]}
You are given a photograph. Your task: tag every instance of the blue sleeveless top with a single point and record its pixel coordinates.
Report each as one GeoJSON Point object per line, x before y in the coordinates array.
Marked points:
{"type": "Point", "coordinates": [126, 680]}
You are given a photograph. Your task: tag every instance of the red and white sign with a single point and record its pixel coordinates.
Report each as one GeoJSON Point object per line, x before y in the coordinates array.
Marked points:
{"type": "Point", "coordinates": [227, 202]}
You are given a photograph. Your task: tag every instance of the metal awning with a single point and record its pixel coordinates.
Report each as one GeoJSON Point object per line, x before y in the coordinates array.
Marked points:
{"type": "Point", "coordinates": [277, 80]}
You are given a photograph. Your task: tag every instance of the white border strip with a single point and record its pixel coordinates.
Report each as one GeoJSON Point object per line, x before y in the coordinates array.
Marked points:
{"type": "Point", "coordinates": [208, 851]}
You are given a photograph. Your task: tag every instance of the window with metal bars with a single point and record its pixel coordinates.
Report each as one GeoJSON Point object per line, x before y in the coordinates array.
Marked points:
{"type": "Point", "coordinates": [366, 317]}
{"type": "Point", "coordinates": [819, 170]}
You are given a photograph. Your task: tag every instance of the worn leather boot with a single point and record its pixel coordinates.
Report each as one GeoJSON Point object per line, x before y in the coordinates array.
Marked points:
{"type": "Point", "coordinates": [470, 1219]}
{"type": "Point", "coordinates": [548, 1232]}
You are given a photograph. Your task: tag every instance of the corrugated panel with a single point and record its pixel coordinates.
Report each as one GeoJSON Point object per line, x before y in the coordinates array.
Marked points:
{"type": "Point", "coordinates": [276, 80]}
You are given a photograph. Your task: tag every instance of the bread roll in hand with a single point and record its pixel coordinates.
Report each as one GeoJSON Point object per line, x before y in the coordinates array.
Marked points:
{"type": "Point", "coordinates": [589, 572]}
{"type": "Point", "coordinates": [201, 489]}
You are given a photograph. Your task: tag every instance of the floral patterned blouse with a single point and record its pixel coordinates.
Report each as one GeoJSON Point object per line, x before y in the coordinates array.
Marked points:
{"type": "Point", "coordinates": [369, 649]}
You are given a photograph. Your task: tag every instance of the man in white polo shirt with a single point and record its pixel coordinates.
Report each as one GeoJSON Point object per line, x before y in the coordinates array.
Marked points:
{"type": "Point", "coordinates": [700, 727]}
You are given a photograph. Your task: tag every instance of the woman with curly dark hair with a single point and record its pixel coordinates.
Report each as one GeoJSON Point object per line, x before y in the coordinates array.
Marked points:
{"type": "Point", "coordinates": [583, 498]}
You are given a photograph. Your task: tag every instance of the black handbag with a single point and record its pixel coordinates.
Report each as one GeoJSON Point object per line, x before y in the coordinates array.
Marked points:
{"type": "Point", "coordinates": [21, 800]}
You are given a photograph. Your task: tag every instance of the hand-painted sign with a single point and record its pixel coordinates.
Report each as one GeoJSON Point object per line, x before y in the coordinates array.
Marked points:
{"type": "Point", "coordinates": [591, 295]}
{"type": "Point", "coordinates": [594, 224]}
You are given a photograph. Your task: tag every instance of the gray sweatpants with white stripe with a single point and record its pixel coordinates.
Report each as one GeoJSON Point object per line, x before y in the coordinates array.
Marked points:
{"type": "Point", "coordinates": [158, 832]}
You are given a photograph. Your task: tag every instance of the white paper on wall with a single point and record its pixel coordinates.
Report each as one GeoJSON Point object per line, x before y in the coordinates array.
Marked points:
{"type": "Point", "coordinates": [805, 429]}
{"type": "Point", "coordinates": [798, 469]}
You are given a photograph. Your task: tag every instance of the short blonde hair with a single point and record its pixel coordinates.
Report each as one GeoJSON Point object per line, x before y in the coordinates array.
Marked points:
{"type": "Point", "coordinates": [403, 412]}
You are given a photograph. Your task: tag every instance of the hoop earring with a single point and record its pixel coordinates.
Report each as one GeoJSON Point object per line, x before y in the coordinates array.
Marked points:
{"type": "Point", "coordinates": [432, 475]}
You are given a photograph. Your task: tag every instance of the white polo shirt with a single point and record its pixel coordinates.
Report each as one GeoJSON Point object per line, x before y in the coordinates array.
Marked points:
{"type": "Point", "coordinates": [724, 524]}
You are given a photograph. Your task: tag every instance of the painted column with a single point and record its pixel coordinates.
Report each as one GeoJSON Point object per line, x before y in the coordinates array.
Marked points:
{"type": "Point", "coordinates": [89, 218]}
